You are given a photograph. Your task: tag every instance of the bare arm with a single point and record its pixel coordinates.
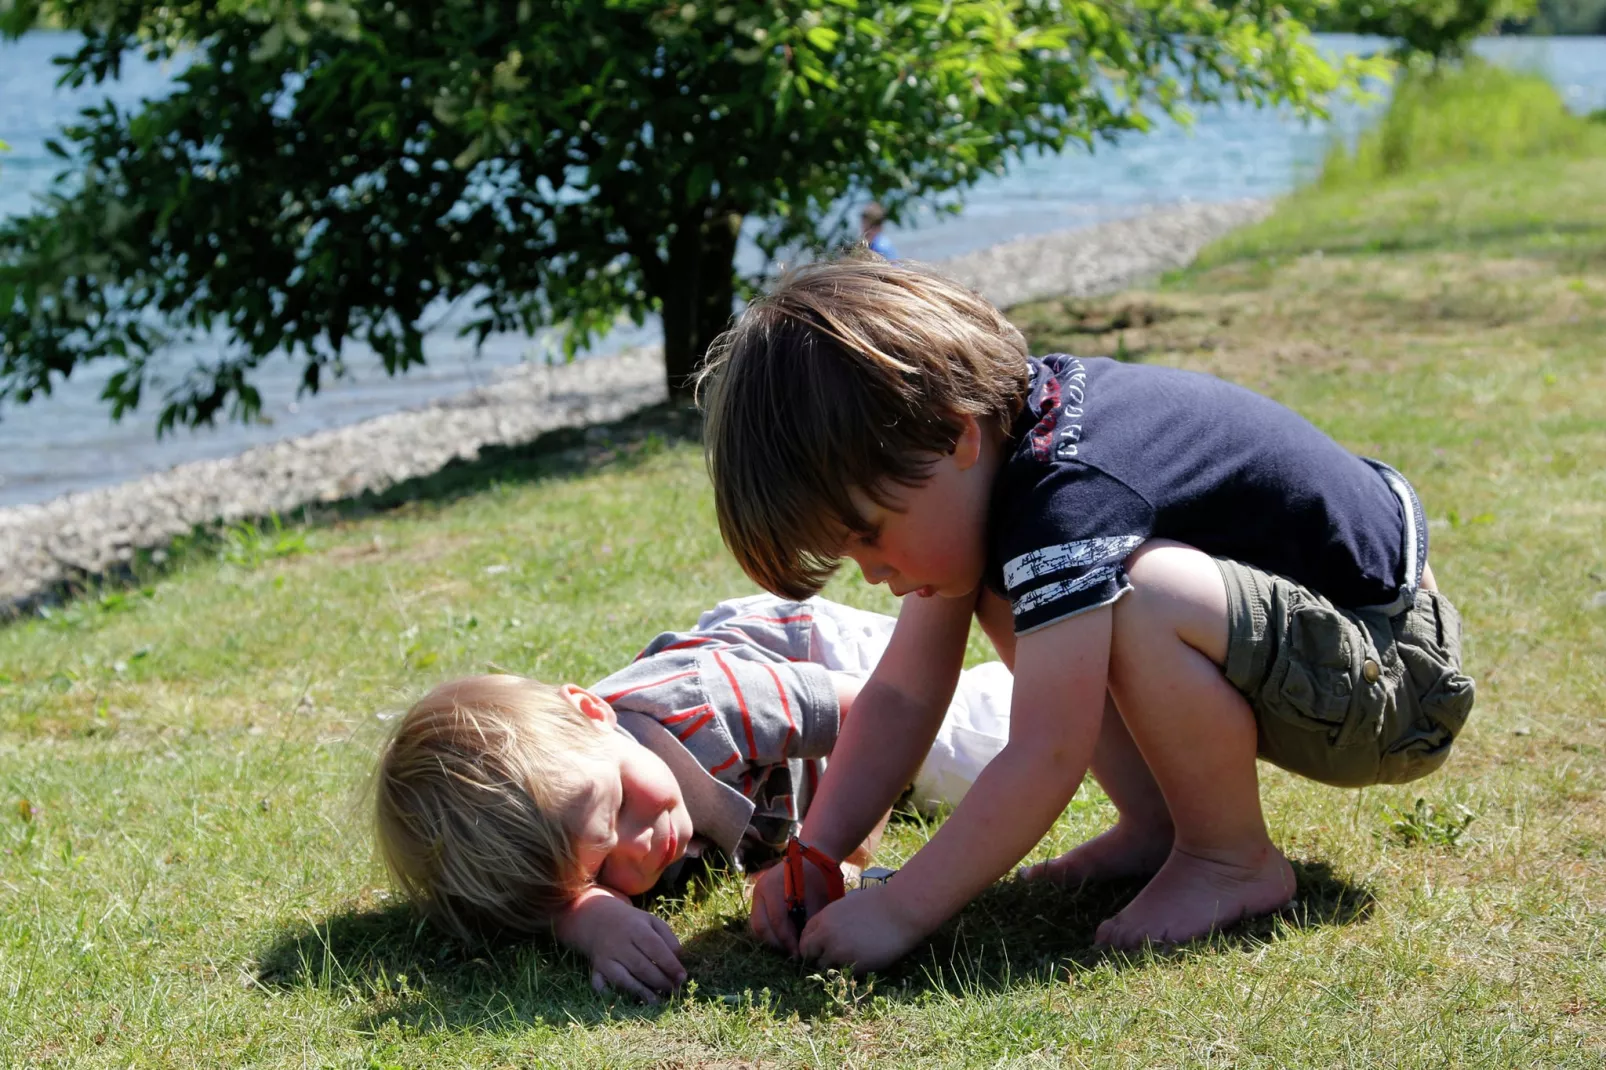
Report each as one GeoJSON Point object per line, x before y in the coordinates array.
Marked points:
{"type": "Point", "coordinates": [894, 719]}
{"type": "Point", "coordinates": [848, 687]}
{"type": "Point", "coordinates": [1060, 680]}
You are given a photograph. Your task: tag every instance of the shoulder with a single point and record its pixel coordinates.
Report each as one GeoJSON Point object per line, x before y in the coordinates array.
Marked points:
{"type": "Point", "coordinates": [1048, 469]}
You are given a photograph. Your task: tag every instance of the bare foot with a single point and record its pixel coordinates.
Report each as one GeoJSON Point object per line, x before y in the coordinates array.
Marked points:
{"type": "Point", "coordinates": [1191, 896]}
{"type": "Point", "coordinates": [1127, 850]}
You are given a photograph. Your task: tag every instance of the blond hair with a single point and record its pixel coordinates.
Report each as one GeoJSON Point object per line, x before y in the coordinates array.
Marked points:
{"type": "Point", "coordinates": [470, 793]}
{"type": "Point", "coordinates": [850, 374]}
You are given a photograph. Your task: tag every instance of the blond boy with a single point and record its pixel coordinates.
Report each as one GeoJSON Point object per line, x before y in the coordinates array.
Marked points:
{"type": "Point", "coordinates": [1181, 574]}
{"type": "Point", "coordinates": [508, 804]}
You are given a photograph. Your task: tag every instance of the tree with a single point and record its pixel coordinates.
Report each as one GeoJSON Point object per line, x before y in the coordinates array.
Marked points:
{"type": "Point", "coordinates": [328, 170]}
{"type": "Point", "coordinates": [1436, 29]}
{"type": "Point", "coordinates": [1567, 17]}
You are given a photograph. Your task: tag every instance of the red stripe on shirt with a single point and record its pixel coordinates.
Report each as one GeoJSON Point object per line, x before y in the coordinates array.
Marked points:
{"type": "Point", "coordinates": [741, 701]}
{"type": "Point", "coordinates": [796, 619]}
{"type": "Point", "coordinates": [676, 718]}
{"type": "Point", "coordinates": [722, 766]}
{"type": "Point", "coordinates": [697, 640]}
{"type": "Point", "coordinates": [786, 705]}
{"type": "Point", "coordinates": [695, 727]}
{"type": "Point", "coordinates": [616, 696]}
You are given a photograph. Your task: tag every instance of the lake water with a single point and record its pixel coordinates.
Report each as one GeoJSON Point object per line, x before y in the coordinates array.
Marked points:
{"type": "Point", "coordinates": [67, 442]}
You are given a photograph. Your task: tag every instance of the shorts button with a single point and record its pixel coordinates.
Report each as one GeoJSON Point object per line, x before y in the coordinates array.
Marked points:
{"type": "Point", "coordinates": [1370, 670]}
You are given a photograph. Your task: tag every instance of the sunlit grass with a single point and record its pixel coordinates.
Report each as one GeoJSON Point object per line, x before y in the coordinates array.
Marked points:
{"type": "Point", "coordinates": [186, 877]}
{"type": "Point", "coordinates": [1469, 113]}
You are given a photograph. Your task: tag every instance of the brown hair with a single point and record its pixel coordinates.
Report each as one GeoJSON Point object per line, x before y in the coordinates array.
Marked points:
{"type": "Point", "coordinates": [469, 796]}
{"type": "Point", "coordinates": [850, 373]}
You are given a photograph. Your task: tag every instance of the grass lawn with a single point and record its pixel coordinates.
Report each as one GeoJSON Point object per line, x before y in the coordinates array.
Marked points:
{"type": "Point", "coordinates": [187, 877]}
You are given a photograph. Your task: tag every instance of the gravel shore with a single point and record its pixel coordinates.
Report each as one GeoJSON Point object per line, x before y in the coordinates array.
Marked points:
{"type": "Point", "coordinates": [88, 533]}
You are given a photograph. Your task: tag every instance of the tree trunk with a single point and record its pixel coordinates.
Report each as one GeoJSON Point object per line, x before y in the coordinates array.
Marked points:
{"type": "Point", "coordinates": [698, 293]}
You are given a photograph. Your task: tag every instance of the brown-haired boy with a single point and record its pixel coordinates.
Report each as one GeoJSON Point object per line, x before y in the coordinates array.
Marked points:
{"type": "Point", "coordinates": [1181, 574]}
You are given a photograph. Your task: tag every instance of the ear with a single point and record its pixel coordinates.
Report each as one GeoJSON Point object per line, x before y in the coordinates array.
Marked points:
{"type": "Point", "coordinates": [590, 705]}
{"type": "Point", "coordinates": [967, 449]}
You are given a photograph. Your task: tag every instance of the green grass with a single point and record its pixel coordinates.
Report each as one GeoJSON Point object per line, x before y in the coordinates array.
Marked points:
{"type": "Point", "coordinates": [1473, 112]}
{"type": "Point", "coordinates": [190, 880]}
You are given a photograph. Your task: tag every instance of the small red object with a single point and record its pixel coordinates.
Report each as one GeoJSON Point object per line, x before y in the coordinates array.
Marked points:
{"type": "Point", "coordinates": [796, 853]}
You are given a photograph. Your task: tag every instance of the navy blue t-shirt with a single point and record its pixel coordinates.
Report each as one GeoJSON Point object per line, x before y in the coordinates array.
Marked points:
{"type": "Point", "coordinates": [1106, 456]}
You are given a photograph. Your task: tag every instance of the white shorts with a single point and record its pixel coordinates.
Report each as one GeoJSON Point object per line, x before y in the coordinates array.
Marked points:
{"type": "Point", "coordinates": [973, 731]}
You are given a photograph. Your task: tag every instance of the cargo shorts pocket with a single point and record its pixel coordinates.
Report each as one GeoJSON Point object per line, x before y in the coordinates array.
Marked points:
{"type": "Point", "coordinates": [1316, 715]}
{"type": "Point", "coordinates": [1435, 696]}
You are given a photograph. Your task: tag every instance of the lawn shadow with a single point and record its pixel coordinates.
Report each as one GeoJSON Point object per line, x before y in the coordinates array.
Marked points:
{"type": "Point", "coordinates": [402, 970]}
{"type": "Point", "coordinates": [564, 453]}
{"type": "Point", "coordinates": [407, 972]}
{"type": "Point", "coordinates": [561, 454]}
{"type": "Point", "coordinates": [1014, 934]}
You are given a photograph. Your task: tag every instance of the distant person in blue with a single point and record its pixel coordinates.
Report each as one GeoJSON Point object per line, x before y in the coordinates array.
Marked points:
{"type": "Point", "coordinates": [871, 223]}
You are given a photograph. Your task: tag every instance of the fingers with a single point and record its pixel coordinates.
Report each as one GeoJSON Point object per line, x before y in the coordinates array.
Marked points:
{"type": "Point", "coordinates": [654, 964]}
{"type": "Point", "coordinates": [632, 972]}
{"type": "Point", "coordinates": [645, 967]}
{"type": "Point", "coordinates": [663, 955]}
{"type": "Point", "coordinates": [778, 925]}
{"type": "Point", "coordinates": [667, 935]}
{"type": "Point", "coordinates": [615, 975]}
{"type": "Point", "coordinates": [769, 920]}
{"type": "Point", "coordinates": [817, 944]}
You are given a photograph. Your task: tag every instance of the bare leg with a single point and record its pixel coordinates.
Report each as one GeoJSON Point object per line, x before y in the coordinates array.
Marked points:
{"type": "Point", "coordinates": [1197, 735]}
{"type": "Point", "coordinates": [1141, 839]}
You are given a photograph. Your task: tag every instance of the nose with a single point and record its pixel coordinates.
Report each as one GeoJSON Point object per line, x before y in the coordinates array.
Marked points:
{"type": "Point", "coordinates": [875, 571]}
{"type": "Point", "coordinates": [639, 846]}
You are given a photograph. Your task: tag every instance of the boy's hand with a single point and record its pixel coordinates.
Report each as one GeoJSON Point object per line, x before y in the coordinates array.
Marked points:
{"type": "Point", "coordinates": [769, 920]}
{"type": "Point", "coordinates": [630, 949]}
{"type": "Point", "coordinates": [869, 930]}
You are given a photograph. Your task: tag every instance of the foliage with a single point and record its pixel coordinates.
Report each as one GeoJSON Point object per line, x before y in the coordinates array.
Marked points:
{"type": "Point", "coordinates": [1425, 825]}
{"type": "Point", "coordinates": [339, 171]}
{"type": "Point", "coordinates": [1439, 29]}
{"type": "Point", "coordinates": [249, 545]}
{"type": "Point", "coordinates": [1567, 17]}
{"type": "Point", "coordinates": [1447, 116]}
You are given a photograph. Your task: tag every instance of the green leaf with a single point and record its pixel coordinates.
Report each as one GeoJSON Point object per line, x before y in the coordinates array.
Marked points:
{"type": "Point", "coordinates": [823, 38]}
{"type": "Point", "coordinates": [699, 182]}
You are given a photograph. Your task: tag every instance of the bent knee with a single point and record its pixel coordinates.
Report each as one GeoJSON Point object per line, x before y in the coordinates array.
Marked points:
{"type": "Point", "coordinates": [1176, 589]}
{"type": "Point", "coordinates": [1164, 570]}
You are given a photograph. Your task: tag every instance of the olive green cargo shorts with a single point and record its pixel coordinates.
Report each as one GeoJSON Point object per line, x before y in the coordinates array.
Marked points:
{"type": "Point", "coordinates": [1346, 697]}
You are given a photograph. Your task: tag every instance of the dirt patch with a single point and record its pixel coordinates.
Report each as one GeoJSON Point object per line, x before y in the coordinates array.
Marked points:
{"type": "Point", "coordinates": [1318, 313]}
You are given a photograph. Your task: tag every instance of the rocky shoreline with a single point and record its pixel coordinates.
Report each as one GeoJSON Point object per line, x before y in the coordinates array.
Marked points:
{"type": "Point", "coordinates": [94, 532]}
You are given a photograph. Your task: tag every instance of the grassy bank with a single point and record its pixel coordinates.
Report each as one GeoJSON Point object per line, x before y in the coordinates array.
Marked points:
{"type": "Point", "coordinates": [187, 880]}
